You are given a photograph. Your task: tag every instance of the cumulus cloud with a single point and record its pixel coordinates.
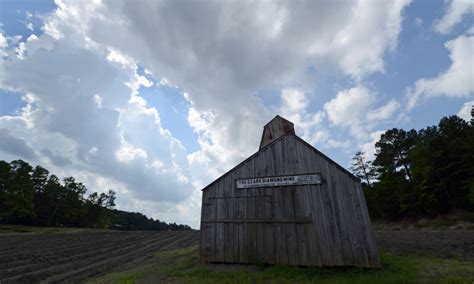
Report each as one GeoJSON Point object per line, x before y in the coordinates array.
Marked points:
{"type": "Point", "coordinates": [384, 112]}
{"type": "Point", "coordinates": [15, 146]}
{"type": "Point", "coordinates": [465, 111]}
{"type": "Point", "coordinates": [453, 16]}
{"type": "Point", "coordinates": [349, 105]}
{"type": "Point", "coordinates": [354, 108]}
{"type": "Point", "coordinates": [88, 119]}
{"type": "Point", "coordinates": [456, 81]}
{"type": "Point", "coordinates": [294, 107]}
{"type": "Point", "coordinates": [369, 147]}
{"type": "Point", "coordinates": [90, 116]}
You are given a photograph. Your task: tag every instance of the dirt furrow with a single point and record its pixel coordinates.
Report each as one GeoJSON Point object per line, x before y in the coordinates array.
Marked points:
{"type": "Point", "coordinates": [74, 255]}
{"type": "Point", "coordinates": [53, 248]}
{"type": "Point", "coordinates": [123, 250]}
{"type": "Point", "coordinates": [48, 239]}
{"type": "Point", "coordinates": [97, 268]}
{"type": "Point", "coordinates": [35, 259]}
{"type": "Point", "coordinates": [29, 241]}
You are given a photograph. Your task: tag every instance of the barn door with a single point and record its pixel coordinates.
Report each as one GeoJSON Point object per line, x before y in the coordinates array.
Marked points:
{"type": "Point", "coordinates": [292, 225]}
{"type": "Point", "coordinates": [257, 228]}
{"type": "Point", "coordinates": [238, 229]}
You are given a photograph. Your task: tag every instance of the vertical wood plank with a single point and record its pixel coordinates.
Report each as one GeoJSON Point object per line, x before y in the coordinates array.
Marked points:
{"type": "Point", "coordinates": [220, 227]}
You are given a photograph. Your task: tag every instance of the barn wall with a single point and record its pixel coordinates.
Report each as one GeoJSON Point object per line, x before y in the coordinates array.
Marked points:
{"type": "Point", "coordinates": [316, 225]}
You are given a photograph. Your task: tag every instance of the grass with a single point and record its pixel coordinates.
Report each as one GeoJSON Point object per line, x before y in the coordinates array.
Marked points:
{"type": "Point", "coordinates": [182, 266]}
{"type": "Point", "coordinates": [9, 229]}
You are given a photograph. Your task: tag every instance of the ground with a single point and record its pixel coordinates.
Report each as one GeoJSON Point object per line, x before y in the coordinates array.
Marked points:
{"type": "Point", "coordinates": [96, 256]}
{"type": "Point", "coordinates": [80, 254]}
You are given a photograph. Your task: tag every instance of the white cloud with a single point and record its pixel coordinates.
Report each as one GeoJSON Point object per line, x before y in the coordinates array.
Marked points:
{"type": "Point", "coordinates": [127, 153]}
{"type": "Point", "coordinates": [220, 57]}
{"type": "Point", "coordinates": [456, 81]}
{"type": "Point", "coordinates": [219, 53]}
{"type": "Point", "coordinates": [384, 112]}
{"type": "Point", "coordinates": [29, 26]}
{"type": "Point", "coordinates": [349, 106]}
{"type": "Point", "coordinates": [372, 24]}
{"type": "Point", "coordinates": [87, 122]}
{"type": "Point", "coordinates": [465, 111]}
{"type": "Point", "coordinates": [294, 107]}
{"type": "Point", "coordinates": [355, 109]}
{"type": "Point", "coordinates": [369, 147]}
{"type": "Point", "coordinates": [293, 100]}
{"type": "Point", "coordinates": [453, 16]}
{"type": "Point", "coordinates": [3, 45]}
{"type": "Point", "coordinates": [308, 125]}
{"type": "Point", "coordinates": [418, 21]}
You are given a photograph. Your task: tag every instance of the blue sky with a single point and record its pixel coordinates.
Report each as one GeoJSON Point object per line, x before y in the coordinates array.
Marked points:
{"type": "Point", "coordinates": [155, 99]}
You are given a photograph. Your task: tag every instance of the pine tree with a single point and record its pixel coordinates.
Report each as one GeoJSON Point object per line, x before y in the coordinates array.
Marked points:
{"type": "Point", "coordinates": [362, 168]}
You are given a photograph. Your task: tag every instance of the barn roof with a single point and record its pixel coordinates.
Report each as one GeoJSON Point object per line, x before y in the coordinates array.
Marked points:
{"type": "Point", "coordinates": [275, 141]}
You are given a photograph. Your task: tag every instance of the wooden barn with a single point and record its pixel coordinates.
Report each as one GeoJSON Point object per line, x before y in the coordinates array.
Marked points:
{"type": "Point", "coordinates": [288, 204]}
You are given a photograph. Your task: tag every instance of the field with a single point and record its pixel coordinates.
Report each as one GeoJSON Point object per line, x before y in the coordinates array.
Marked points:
{"type": "Point", "coordinates": [75, 256]}
{"type": "Point", "coordinates": [56, 255]}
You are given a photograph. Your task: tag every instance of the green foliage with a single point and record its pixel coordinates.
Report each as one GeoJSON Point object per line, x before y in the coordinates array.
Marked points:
{"type": "Point", "coordinates": [34, 197]}
{"type": "Point", "coordinates": [17, 192]}
{"type": "Point", "coordinates": [423, 173]}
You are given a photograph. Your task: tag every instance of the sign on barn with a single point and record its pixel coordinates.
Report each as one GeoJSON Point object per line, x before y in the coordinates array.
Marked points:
{"type": "Point", "coordinates": [279, 181]}
{"type": "Point", "coordinates": [287, 204]}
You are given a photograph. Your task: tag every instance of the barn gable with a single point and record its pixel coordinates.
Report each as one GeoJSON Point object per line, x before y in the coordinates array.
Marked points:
{"type": "Point", "coordinates": [315, 224]}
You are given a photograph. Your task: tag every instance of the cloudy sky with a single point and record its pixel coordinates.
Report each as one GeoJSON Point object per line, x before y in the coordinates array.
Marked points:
{"type": "Point", "coordinates": [155, 99]}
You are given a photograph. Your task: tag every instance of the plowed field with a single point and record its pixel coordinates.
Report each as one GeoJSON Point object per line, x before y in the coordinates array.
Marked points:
{"type": "Point", "coordinates": [30, 258]}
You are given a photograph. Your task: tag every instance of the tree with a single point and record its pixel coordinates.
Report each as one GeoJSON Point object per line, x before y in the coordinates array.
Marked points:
{"type": "Point", "coordinates": [41, 204]}
{"type": "Point", "coordinates": [456, 167]}
{"type": "Point", "coordinates": [362, 168]}
{"type": "Point", "coordinates": [5, 182]}
{"type": "Point", "coordinates": [53, 192]}
{"type": "Point", "coordinates": [18, 194]}
{"type": "Point", "coordinates": [394, 172]}
{"type": "Point", "coordinates": [73, 200]}
{"type": "Point", "coordinates": [472, 115]}
{"type": "Point", "coordinates": [99, 209]}
{"type": "Point", "coordinates": [392, 151]}
{"type": "Point", "coordinates": [33, 197]}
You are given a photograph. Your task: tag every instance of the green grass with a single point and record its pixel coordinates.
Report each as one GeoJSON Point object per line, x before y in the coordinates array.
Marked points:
{"type": "Point", "coordinates": [8, 229]}
{"type": "Point", "coordinates": [182, 265]}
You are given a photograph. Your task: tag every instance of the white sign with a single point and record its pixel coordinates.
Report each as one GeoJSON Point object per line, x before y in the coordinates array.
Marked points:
{"type": "Point", "coordinates": [279, 181]}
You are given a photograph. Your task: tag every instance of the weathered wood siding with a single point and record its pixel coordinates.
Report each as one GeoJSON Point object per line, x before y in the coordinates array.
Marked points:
{"type": "Point", "coordinates": [310, 225]}
{"type": "Point", "coordinates": [276, 128]}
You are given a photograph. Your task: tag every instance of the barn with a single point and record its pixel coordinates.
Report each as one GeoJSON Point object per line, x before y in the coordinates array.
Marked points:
{"type": "Point", "coordinates": [287, 204]}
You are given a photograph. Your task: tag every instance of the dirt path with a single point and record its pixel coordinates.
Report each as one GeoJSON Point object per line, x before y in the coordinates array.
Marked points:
{"type": "Point", "coordinates": [441, 243]}
{"type": "Point", "coordinates": [74, 257]}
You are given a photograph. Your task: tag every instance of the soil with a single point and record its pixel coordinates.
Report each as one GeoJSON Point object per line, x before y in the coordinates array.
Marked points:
{"type": "Point", "coordinates": [51, 258]}
{"type": "Point", "coordinates": [74, 257]}
{"type": "Point", "coordinates": [439, 243]}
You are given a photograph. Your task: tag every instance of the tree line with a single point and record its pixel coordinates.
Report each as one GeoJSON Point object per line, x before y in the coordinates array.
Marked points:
{"type": "Point", "coordinates": [33, 196]}
{"type": "Point", "coordinates": [420, 173]}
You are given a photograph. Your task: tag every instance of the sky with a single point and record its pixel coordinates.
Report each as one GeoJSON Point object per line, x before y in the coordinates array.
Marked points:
{"type": "Point", "coordinates": [156, 99]}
